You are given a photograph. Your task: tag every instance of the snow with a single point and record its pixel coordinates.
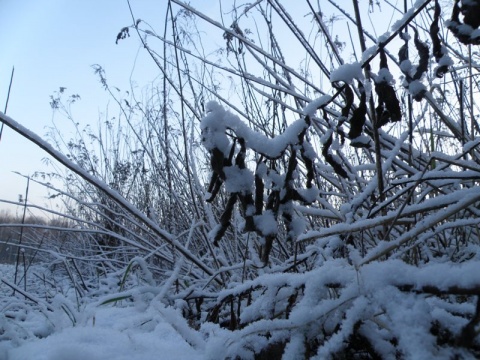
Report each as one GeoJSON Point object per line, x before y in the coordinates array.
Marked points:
{"type": "Point", "coordinates": [315, 105]}
{"type": "Point", "coordinates": [326, 136]}
{"type": "Point", "coordinates": [416, 87]}
{"type": "Point", "coordinates": [217, 120]}
{"type": "Point", "coordinates": [368, 53]}
{"type": "Point", "coordinates": [384, 75]}
{"type": "Point", "coordinates": [266, 223]}
{"type": "Point", "coordinates": [471, 145]}
{"type": "Point", "coordinates": [238, 180]}
{"type": "Point", "coordinates": [464, 29]}
{"type": "Point", "coordinates": [111, 333]}
{"type": "Point", "coordinates": [445, 60]}
{"type": "Point", "coordinates": [361, 264]}
{"type": "Point", "coordinates": [405, 36]}
{"type": "Point", "coordinates": [475, 34]}
{"type": "Point", "coordinates": [213, 128]}
{"type": "Point", "coordinates": [147, 328]}
{"type": "Point", "coordinates": [383, 38]}
{"type": "Point", "coordinates": [401, 22]}
{"type": "Point", "coordinates": [347, 73]}
{"type": "Point", "coordinates": [406, 66]}
{"type": "Point", "coordinates": [310, 195]}
{"type": "Point", "coordinates": [123, 330]}
{"type": "Point", "coordinates": [362, 141]}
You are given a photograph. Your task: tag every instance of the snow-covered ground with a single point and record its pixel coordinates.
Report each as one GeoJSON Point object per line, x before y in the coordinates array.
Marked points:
{"type": "Point", "coordinates": [113, 321]}
{"type": "Point", "coordinates": [117, 333]}
{"type": "Point", "coordinates": [87, 331]}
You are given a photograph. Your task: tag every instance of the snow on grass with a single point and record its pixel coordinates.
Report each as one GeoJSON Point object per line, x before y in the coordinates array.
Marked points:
{"type": "Point", "coordinates": [123, 330]}
{"type": "Point", "coordinates": [145, 328]}
{"type": "Point", "coordinates": [111, 333]}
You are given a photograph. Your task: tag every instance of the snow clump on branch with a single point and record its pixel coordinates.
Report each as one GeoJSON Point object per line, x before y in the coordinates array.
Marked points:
{"type": "Point", "coordinates": [213, 128]}
{"type": "Point", "coordinates": [347, 73]}
{"type": "Point", "coordinates": [218, 120]}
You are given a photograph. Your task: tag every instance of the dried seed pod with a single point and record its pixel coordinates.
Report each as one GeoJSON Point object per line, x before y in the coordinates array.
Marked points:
{"type": "Point", "coordinates": [246, 202]}
{"type": "Point", "coordinates": [267, 248]}
{"type": "Point", "coordinates": [331, 160]}
{"type": "Point", "coordinates": [434, 31]}
{"type": "Point", "coordinates": [240, 158]}
{"type": "Point", "coordinates": [423, 53]}
{"type": "Point", "coordinates": [438, 50]}
{"type": "Point", "coordinates": [388, 109]}
{"type": "Point", "coordinates": [287, 218]}
{"type": "Point", "coordinates": [259, 188]}
{"type": "Point", "coordinates": [403, 52]}
{"type": "Point", "coordinates": [304, 144]}
{"type": "Point", "coordinates": [471, 13]}
{"type": "Point", "coordinates": [214, 187]}
{"type": "Point", "coordinates": [217, 162]}
{"type": "Point", "coordinates": [465, 32]}
{"type": "Point", "coordinates": [308, 165]}
{"type": "Point", "coordinates": [358, 117]}
{"type": "Point", "coordinates": [225, 219]}
{"type": "Point", "coordinates": [348, 101]}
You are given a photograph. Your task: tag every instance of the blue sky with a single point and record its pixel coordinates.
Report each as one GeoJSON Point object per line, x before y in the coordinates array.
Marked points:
{"type": "Point", "coordinates": [53, 43]}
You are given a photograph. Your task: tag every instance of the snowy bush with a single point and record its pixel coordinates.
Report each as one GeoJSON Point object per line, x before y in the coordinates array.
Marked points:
{"type": "Point", "coordinates": [324, 207]}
